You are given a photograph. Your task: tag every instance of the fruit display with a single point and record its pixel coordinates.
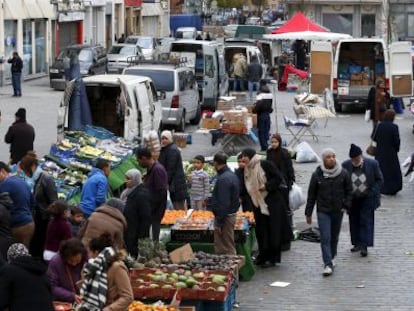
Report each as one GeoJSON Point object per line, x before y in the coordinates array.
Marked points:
{"type": "Point", "coordinates": [140, 306]}
{"type": "Point", "coordinates": [171, 216]}
{"type": "Point", "coordinates": [202, 214]}
{"type": "Point", "coordinates": [248, 215]}
{"type": "Point", "coordinates": [193, 224]}
{"type": "Point", "coordinates": [191, 284]}
{"type": "Point", "coordinates": [151, 254]}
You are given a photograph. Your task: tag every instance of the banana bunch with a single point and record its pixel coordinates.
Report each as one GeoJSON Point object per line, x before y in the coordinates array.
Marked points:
{"type": "Point", "coordinates": [108, 156]}
{"type": "Point", "coordinates": [65, 144]}
{"type": "Point", "coordinates": [91, 151]}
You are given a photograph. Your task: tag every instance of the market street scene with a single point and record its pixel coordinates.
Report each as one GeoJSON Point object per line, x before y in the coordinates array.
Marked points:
{"type": "Point", "coordinates": [206, 155]}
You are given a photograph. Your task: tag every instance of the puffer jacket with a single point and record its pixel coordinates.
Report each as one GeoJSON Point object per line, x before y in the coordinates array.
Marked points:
{"type": "Point", "coordinates": [329, 194]}
{"type": "Point", "coordinates": [105, 219]}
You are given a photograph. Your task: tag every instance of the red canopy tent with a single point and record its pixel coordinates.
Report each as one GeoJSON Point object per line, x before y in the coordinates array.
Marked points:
{"type": "Point", "coordinates": [299, 22]}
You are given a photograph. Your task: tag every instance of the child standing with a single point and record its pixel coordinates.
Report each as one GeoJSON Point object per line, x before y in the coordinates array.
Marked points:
{"type": "Point", "coordinates": [200, 186]}
{"type": "Point", "coordinates": [76, 219]}
{"type": "Point", "coordinates": [58, 229]}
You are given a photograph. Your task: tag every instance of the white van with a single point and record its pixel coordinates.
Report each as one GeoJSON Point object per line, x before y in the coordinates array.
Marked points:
{"type": "Point", "coordinates": [126, 105]}
{"type": "Point", "coordinates": [356, 65]}
{"type": "Point", "coordinates": [206, 57]}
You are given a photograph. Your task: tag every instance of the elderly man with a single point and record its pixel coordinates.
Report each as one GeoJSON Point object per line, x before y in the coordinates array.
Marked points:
{"type": "Point", "coordinates": [330, 188]}
{"type": "Point", "coordinates": [367, 180]}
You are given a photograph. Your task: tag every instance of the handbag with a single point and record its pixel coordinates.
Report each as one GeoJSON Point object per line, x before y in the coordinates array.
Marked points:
{"type": "Point", "coordinates": [372, 148]}
{"type": "Point", "coordinates": [367, 116]}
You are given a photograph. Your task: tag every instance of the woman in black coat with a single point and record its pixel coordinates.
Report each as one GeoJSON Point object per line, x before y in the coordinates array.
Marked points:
{"type": "Point", "coordinates": [246, 202]}
{"type": "Point", "coordinates": [266, 188]}
{"type": "Point", "coordinates": [170, 158]}
{"type": "Point", "coordinates": [387, 137]}
{"type": "Point", "coordinates": [137, 211]}
{"type": "Point", "coordinates": [23, 282]}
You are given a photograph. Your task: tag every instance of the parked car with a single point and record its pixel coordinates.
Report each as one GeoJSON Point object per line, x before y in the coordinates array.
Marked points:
{"type": "Point", "coordinates": [148, 45]}
{"type": "Point", "coordinates": [92, 60]}
{"type": "Point", "coordinates": [182, 102]}
{"type": "Point", "coordinates": [118, 55]}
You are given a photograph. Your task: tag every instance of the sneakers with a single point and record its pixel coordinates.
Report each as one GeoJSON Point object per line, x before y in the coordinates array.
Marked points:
{"type": "Point", "coordinates": [333, 263]}
{"type": "Point", "coordinates": [327, 271]}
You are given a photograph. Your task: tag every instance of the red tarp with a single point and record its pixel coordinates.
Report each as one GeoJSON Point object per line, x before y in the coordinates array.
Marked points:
{"type": "Point", "coordinates": [290, 69]}
{"type": "Point", "coordinates": [299, 22]}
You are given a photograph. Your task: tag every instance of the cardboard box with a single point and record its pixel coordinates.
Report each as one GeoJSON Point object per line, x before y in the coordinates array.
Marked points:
{"type": "Point", "coordinates": [224, 105]}
{"type": "Point", "coordinates": [355, 82]}
{"type": "Point", "coordinates": [356, 76]}
{"type": "Point", "coordinates": [210, 123]}
{"type": "Point", "coordinates": [182, 254]}
{"type": "Point", "coordinates": [235, 128]}
{"type": "Point", "coordinates": [180, 139]}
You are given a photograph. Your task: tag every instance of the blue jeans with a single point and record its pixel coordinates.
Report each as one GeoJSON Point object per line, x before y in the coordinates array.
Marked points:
{"type": "Point", "coordinates": [329, 226]}
{"type": "Point", "coordinates": [16, 81]}
{"type": "Point", "coordinates": [238, 81]}
{"type": "Point", "coordinates": [250, 86]}
{"type": "Point", "coordinates": [263, 127]}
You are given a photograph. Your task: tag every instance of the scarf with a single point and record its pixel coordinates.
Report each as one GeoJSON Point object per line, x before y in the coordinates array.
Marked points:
{"type": "Point", "coordinates": [255, 181]}
{"type": "Point", "coordinates": [135, 176]}
{"type": "Point", "coordinates": [95, 284]}
{"type": "Point", "coordinates": [331, 173]}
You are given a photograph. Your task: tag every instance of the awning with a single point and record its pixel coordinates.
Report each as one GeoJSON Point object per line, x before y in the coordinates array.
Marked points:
{"type": "Point", "coordinates": [28, 9]}
{"type": "Point", "coordinates": [13, 9]}
{"type": "Point", "coordinates": [151, 9]}
{"type": "Point", "coordinates": [33, 9]}
{"type": "Point", "coordinates": [47, 9]}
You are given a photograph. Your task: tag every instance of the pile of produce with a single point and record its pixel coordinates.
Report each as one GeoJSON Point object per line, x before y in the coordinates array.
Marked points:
{"type": "Point", "coordinates": [139, 306]}
{"type": "Point", "coordinates": [193, 224]}
{"type": "Point", "coordinates": [202, 214]}
{"type": "Point", "coordinates": [171, 216]}
{"type": "Point", "coordinates": [151, 254]}
{"type": "Point", "coordinates": [248, 215]}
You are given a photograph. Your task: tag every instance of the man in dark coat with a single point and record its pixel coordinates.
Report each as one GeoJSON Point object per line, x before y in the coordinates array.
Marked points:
{"type": "Point", "coordinates": [170, 158]}
{"type": "Point", "coordinates": [225, 205]}
{"type": "Point", "coordinates": [388, 141]}
{"type": "Point", "coordinates": [267, 190]}
{"type": "Point", "coordinates": [156, 181]}
{"type": "Point", "coordinates": [20, 136]}
{"type": "Point", "coordinates": [263, 108]}
{"type": "Point", "coordinates": [330, 188]}
{"type": "Point", "coordinates": [6, 204]}
{"type": "Point", "coordinates": [16, 72]}
{"type": "Point", "coordinates": [367, 180]}
{"type": "Point", "coordinates": [254, 74]}
{"type": "Point", "coordinates": [24, 284]}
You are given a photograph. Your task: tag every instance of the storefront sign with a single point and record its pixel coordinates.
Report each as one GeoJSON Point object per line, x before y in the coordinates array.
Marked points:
{"type": "Point", "coordinates": [133, 3]}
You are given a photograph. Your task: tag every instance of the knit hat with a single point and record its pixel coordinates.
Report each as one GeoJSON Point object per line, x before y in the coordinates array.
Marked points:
{"type": "Point", "coordinates": [354, 151]}
{"type": "Point", "coordinates": [168, 135]}
{"type": "Point", "coordinates": [21, 114]}
{"type": "Point", "coordinates": [116, 203]}
{"type": "Point", "coordinates": [249, 152]}
{"type": "Point", "coordinates": [16, 250]}
{"type": "Point", "coordinates": [326, 152]}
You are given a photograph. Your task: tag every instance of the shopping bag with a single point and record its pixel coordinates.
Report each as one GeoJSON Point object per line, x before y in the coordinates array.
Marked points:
{"type": "Point", "coordinates": [367, 115]}
{"type": "Point", "coordinates": [372, 148]}
{"type": "Point", "coordinates": [296, 197]}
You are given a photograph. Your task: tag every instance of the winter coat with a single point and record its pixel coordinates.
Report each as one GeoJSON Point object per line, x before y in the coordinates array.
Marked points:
{"type": "Point", "coordinates": [377, 108]}
{"type": "Point", "coordinates": [374, 179]}
{"type": "Point", "coordinates": [16, 64]}
{"type": "Point", "coordinates": [246, 201]}
{"type": "Point", "coordinates": [264, 102]}
{"type": "Point", "coordinates": [25, 286]}
{"type": "Point", "coordinates": [240, 67]}
{"type": "Point", "coordinates": [226, 195]}
{"type": "Point", "coordinates": [120, 293]}
{"type": "Point", "coordinates": [329, 194]}
{"type": "Point", "coordinates": [94, 191]}
{"type": "Point", "coordinates": [285, 164]}
{"type": "Point", "coordinates": [137, 213]}
{"type": "Point", "coordinates": [45, 193]}
{"type": "Point", "coordinates": [5, 233]}
{"type": "Point", "coordinates": [254, 72]}
{"type": "Point", "coordinates": [104, 219]}
{"type": "Point", "coordinates": [170, 158]}
{"type": "Point", "coordinates": [387, 137]}
{"type": "Point", "coordinates": [20, 136]}
{"type": "Point", "coordinates": [23, 202]}
{"type": "Point", "coordinates": [58, 230]}
{"type": "Point", "coordinates": [63, 287]}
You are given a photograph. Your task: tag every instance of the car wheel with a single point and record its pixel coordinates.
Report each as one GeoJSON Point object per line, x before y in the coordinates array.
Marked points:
{"type": "Point", "coordinates": [197, 117]}
{"type": "Point", "coordinates": [181, 127]}
{"type": "Point", "coordinates": [338, 106]}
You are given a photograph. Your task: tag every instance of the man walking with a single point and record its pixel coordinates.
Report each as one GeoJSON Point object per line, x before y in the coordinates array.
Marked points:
{"type": "Point", "coordinates": [367, 181]}
{"type": "Point", "coordinates": [225, 205]}
{"type": "Point", "coordinates": [156, 181]}
{"type": "Point", "coordinates": [330, 188]}
{"type": "Point", "coordinates": [254, 74]}
{"type": "Point", "coordinates": [16, 73]}
{"type": "Point", "coordinates": [20, 136]}
{"type": "Point", "coordinates": [95, 189]}
{"type": "Point", "coordinates": [263, 108]}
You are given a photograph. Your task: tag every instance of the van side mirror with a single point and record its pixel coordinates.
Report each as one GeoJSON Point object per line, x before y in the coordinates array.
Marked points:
{"type": "Point", "coordinates": [160, 95]}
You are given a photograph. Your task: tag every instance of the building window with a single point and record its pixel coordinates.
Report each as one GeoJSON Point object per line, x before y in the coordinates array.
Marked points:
{"type": "Point", "coordinates": [10, 43]}
{"type": "Point", "coordinates": [40, 35]}
{"type": "Point", "coordinates": [27, 47]}
{"type": "Point", "coordinates": [338, 22]}
{"type": "Point", "coordinates": [368, 25]}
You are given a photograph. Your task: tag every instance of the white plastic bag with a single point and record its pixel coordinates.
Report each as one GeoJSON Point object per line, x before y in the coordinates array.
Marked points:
{"type": "Point", "coordinates": [305, 153]}
{"type": "Point", "coordinates": [367, 115]}
{"type": "Point", "coordinates": [296, 197]}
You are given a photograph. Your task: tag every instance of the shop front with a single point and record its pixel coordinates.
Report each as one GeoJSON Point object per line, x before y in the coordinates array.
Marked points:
{"type": "Point", "coordinates": [132, 17]}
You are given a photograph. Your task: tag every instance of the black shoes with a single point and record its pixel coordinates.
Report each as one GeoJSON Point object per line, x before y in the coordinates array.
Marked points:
{"type": "Point", "coordinates": [355, 249]}
{"type": "Point", "coordinates": [364, 251]}
{"type": "Point", "coordinates": [267, 264]}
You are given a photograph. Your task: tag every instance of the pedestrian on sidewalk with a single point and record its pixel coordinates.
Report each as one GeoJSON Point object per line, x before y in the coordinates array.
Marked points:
{"type": "Point", "coordinates": [254, 74]}
{"type": "Point", "coordinates": [225, 205]}
{"type": "Point", "coordinates": [263, 109]}
{"type": "Point", "coordinates": [16, 73]}
{"type": "Point", "coordinates": [367, 180]}
{"type": "Point", "coordinates": [20, 136]}
{"type": "Point", "coordinates": [330, 188]}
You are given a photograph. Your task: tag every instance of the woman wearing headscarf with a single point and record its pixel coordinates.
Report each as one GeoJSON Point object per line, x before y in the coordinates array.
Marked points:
{"type": "Point", "coordinates": [170, 158]}
{"type": "Point", "coordinates": [106, 218]}
{"type": "Point", "coordinates": [137, 210]}
{"type": "Point", "coordinates": [387, 137]}
{"type": "Point", "coordinates": [377, 102]}
{"type": "Point", "coordinates": [266, 188]}
{"type": "Point", "coordinates": [330, 188]}
{"type": "Point", "coordinates": [23, 282]}
{"type": "Point", "coordinates": [106, 285]}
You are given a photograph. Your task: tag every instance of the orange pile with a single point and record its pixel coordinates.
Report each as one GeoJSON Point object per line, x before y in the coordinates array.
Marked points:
{"type": "Point", "coordinates": [202, 214]}
{"type": "Point", "coordinates": [249, 215]}
{"type": "Point", "coordinates": [139, 306]}
{"type": "Point", "coordinates": [171, 216]}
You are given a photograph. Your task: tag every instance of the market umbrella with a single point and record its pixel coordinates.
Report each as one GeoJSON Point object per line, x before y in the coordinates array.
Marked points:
{"type": "Point", "coordinates": [299, 22]}
{"type": "Point", "coordinates": [308, 36]}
